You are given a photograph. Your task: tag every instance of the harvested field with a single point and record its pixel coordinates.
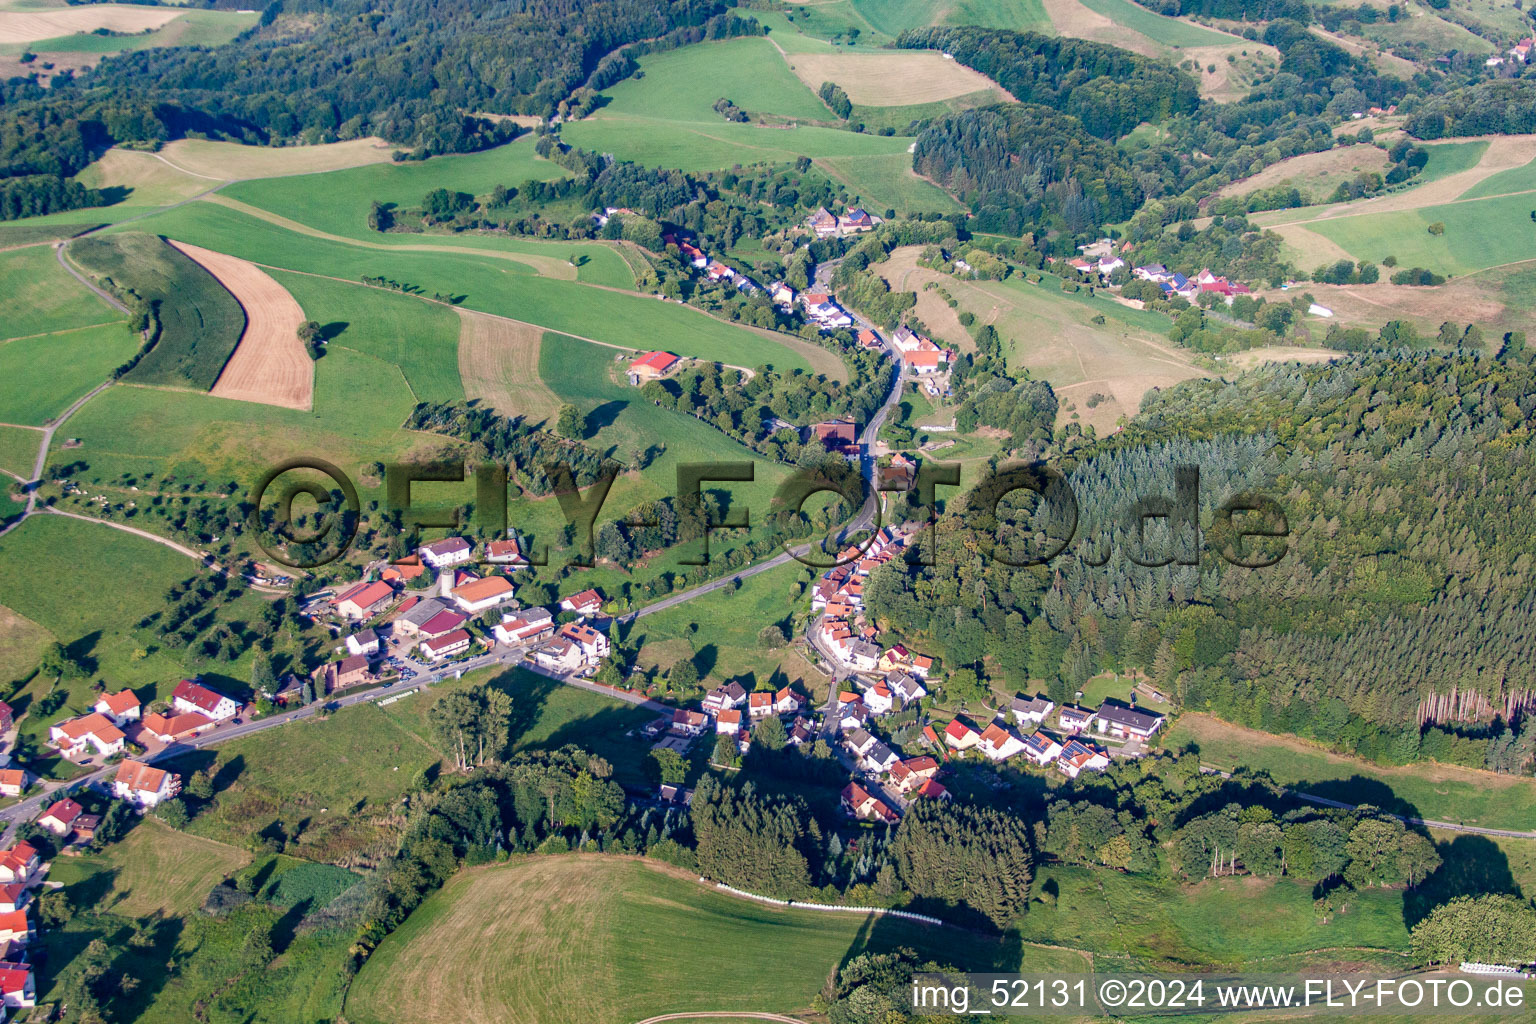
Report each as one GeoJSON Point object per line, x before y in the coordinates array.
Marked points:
{"type": "Point", "coordinates": [227, 161]}
{"type": "Point", "coordinates": [1053, 335]}
{"type": "Point", "coordinates": [1316, 175]}
{"type": "Point", "coordinates": [895, 79]}
{"type": "Point", "coordinates": [30, 26]}
{"type": "Point", "coordinates": [269, 365]}
{"type": "Point", "coordinates": [499, 365]}
{"type": "Point", "coordinates": [1497, 300]}
{"type": "Point", "coordinates": [150, 180]}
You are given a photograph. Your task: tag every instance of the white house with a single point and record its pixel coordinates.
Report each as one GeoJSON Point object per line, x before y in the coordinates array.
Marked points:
{"type": "Point", "coordinates": [589, 643]}
{"type": "Point", "coordinates": [998, 744]}
{"type": "Point", "coordinates": [879, 758]}
{"type": "Point", "coordinates": [786, 702]}
{"type": "Point", "coordinates": [728, 722]}
{"type": "Point", "coordinates": [1126, 723]}
{"type": "Point", "coordinates": [859, 741]}
{"type": "Point", "coordinates": [77, 737]}
{"type": "Point", "coordinates": [364, 642]}
{"type": "Point", "coordinates": [192, 696]}
{"type": "Point", "coordinates": [144, 786]}
{"type": "Point", "coordinates": [1078, 757]}
{"type": "Point", "coordinates": [878, 699]}
{"type": "Point", "coordinates": [481, 595]}
{"type": "Point", "coordinates": [960, 736]}
{"type": "Point", "coordinates": [862, 656]}
{"type": "Point", "coordinates": [447, 645]}
{"type": "Point", "coordinates": [524, 626]}
{"type": "Point", "coordinates": [1031, 710]}
{"type": "Point", "coordinates": [731, 695]}
{"type": "Point", "coordinates": [1041, 749]}
{"type": "Point", "coordinates": [588, 602]}
{"type": "Point", "coordinates": [121, 707]}
{"type": "Point", "coordinates": [447, 552]}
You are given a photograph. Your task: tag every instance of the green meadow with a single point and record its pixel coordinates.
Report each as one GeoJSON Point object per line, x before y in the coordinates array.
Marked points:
{"type": "Point", "coordinates": [1478, 234]}
{"type": "Point", "coordinates": [490, 285]}
{"type": "Point", "coordinates": [338, 201]}
{"type": "Point", "coordinates": [200, 321]}
{"type": "Point", "coordinates": [194, 28]}
{"type": "Point", "coordinates": [1428, 790]}
{"type": "Point", "coordinates": [886, 181]}
{"type": "Point", "coordinates": [1157, 27]}
{"type": "Point", "coordinates": [18, 450]}
{"type": "Point", "coordinates": [1452, 157]}
{"type": "Point", "coordinates": [666, 118]}
{"type": "Point", "coordinates": [38, 296]}
{"type": "Point", "coordinates": [1516, 179]}
{"type": "Point", "coordinates": [45, 373]}
{"type": "Point", "coordinates": [421, 338]}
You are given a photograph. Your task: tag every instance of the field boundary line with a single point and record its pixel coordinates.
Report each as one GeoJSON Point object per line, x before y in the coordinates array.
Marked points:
{"type": "Point", "coordinates": [51, 334]}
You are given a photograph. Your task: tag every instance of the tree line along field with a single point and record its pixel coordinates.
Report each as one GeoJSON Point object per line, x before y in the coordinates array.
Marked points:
{"type": "Point", "coordinates": [200, 322]}
{"type": "Point", "coordinates": [1438, 792]}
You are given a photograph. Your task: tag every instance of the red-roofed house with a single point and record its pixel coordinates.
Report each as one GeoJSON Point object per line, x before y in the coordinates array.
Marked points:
{"type": "Point", "coordinates": [505, 552]}
{"type": "Point", "coordinates": [441, 624]}
{"type": "Point", "coordinates": [961, 736]}
{"type": "Point", "coordinates": [15, 928]}
{"type": "Point", "coordinates": [13, 896]}
{"type": "Point", "coordinates": [728, 722]}
{"type": "Point", "coordinates": [760, 705]}
{"type": "Point", "coordinates": [122, 706]}
{"type": "Point", "coordinates": [60, 818]}
{"type": "Point", "coordinates": [19, 863]}
{"type": "Point", "coordinates": [931, 790]}
{"type": "Point", "coordinates": [478, 595]}
{"type": "Point", "coordinates": [836, 435]}
{"type": "Point", "coordinates": [16, 989]}
{"type": "Point", "coordinates": [365, 600]}
{"type": "Point", "coordinates": [144, 786]}
{"type": "Point", "coordinates": [999, 744]}
{"type": "Point", "coordinates": [858, 803]}
{"type": "Point", "coordinates": [592, 645]}
{"type": "Point", "coordinates": [588, 602]}
{"type": "Point", "coordinates": [447, 645]}
{"type": "Point", "coordinates": [75, 736]}
{"type": "Point", "coordinates": [14, 781]}
{"type": "Point", "coordinates": [191, 696]}
{"type": "Point", "coordinates": [169, 728]}
{"type": "Point", "coordinates": [651, 366]}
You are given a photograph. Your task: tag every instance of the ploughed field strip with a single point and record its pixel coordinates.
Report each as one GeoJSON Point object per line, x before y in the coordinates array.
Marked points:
{"type": "Point", "coordinates": [269, 364]}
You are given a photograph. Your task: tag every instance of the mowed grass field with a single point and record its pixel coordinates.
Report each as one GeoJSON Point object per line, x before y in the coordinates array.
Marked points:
{"type": "Point", "coordinates": [37, 296]}
{"type": "Point", "coordinates": [487, 284]}
{"type": "Point", "coordinates": [667, 118]}
{"type": "Point", "coordinates": [1439, 792]}
{"type": "Point", "coordinates": [892, 17]}
{"type": "Point", "coordinates": [420, 338]}
{"type": "Point", "coordinates": [200, 321]}
{"type": "Point", "coordinates": [1478, 234]}
{"type": "Point", "coordinates": [612, 941]}
{"type": "Point", "coordinates": [21, 645]}
{"type": "Point", "coordinates": [153, 870]}
{"type": "Point", "coordinates": [338, 201]}
{"type": "Point", "coordinates": [887, 182]}
{"type": "Point", "coordinates": [1157, 27]}
{"type": "Point", "coordinates": [18, 451]}
{"type": "Point", "coordinates": [45, 373]}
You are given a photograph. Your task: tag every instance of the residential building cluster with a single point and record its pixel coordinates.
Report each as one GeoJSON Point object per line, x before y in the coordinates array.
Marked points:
{"type": "Point", "coordinates": [825, 224]}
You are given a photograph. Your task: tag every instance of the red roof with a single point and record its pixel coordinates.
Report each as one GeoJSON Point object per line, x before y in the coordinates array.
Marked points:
{"type": "Point", "coordinates": [65, 811]}
{"type": "Point", "coordinates": [958, 729]}
{"type": "Point", "coordinates": [442, 622]}
{"type": "Point", "coordinates": [206, 699]}
{"type": "Point", "coordinates": [120, 702]}
{"type": "Point", "coordinates": [366, 595]}
{"type": "Point", "coordinates": [442, 643]}
{"type": "Point", "coordinates": [14, 980]}
{"type": "Point", "coordinates": [655, 361]}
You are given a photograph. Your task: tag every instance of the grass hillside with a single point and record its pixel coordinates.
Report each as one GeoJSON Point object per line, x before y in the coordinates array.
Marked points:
{"type": "Point", "coordinates": [611, 941]}
{"type": "Point", "coordinates": [1440, 792]}
{"type": "Point", "coordinates": [37, 296]}
{"type": "Point", "coordinates": [200, 321]}
{"type": "Point", "coordinates": [44, 374]}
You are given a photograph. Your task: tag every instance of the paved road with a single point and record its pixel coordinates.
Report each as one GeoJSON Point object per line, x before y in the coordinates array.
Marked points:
{"type": "Point", "coordinates": [42, 454]}
{"type": "Point", "coordinates": [1449, 826]}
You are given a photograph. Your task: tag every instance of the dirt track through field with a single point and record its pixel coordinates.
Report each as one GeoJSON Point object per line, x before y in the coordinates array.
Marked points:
{"type": "Point", "coordinates": [499, 364]}
{"type": "Point", "coordinates": [30, 26]}
{"type": "Point", "coordinates": [269, 365]}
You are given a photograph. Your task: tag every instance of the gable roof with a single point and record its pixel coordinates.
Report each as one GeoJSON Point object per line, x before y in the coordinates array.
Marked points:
{"type": "Point", "coordinates": [196, 693]}
{"type": "Point", "coordinates": [1128, 717]}
{"type": "Point", "coordinates": [958, 729]}
{"type": "Point", "coordinates": [95, 724]}
{"type": "Point", "coordinates": [366, 595]}
{"type": "Point", "coordinates": [120, 702]}
{"type": "Point", "coordinates": [174, 725]}
{"type": "Point", "coordinates": [12, 776]}
{"type": "Point", "coordinates": [140, 776]}
{"type": "Point", "coordinates": [64, 811]}
{"type": "Point", "coordinates": [483, 589]}
{"type": "Point", "coordinates": [442, 622]}
{"type": "Point", "coordinates": [658, 361]}
{"type": "Point", "coordinates": [446, 546]}
{"type": "Point", "coordinates": [447, 640]}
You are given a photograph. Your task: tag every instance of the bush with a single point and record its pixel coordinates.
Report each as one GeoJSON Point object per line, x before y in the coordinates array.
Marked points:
{"type": "Point", "coordinates": [1437, 228]}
